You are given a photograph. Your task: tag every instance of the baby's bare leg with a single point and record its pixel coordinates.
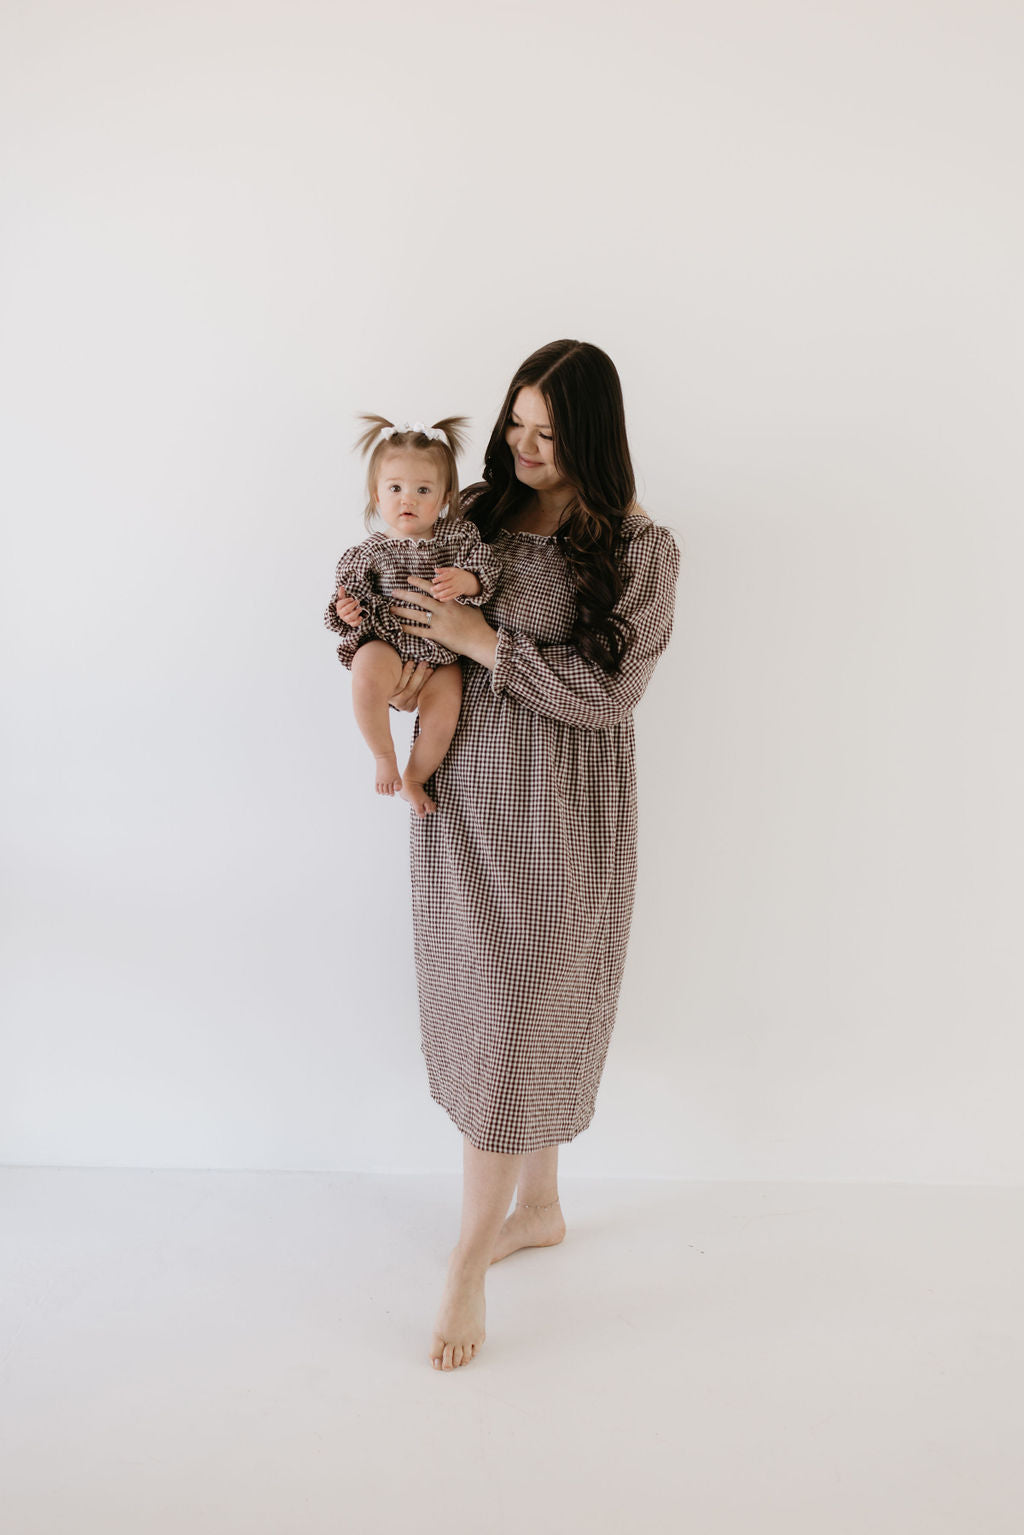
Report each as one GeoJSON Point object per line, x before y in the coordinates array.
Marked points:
{"type": "Point", "coordinates": [440, 702]}
{"type": "Point", "coordinates": [376, 669]}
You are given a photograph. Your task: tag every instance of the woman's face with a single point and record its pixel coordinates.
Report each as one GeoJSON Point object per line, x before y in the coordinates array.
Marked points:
{"type": "Point", "coordinates": [529, 436]}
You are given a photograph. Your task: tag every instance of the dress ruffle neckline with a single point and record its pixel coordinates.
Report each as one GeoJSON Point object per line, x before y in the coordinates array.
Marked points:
{"type": "Point", "coordinates": [630, 525]}
{"type": "Point", "coordinates": [412, 539]}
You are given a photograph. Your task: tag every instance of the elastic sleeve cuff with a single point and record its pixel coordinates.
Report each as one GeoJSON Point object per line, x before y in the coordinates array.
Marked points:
{"type": "Point", "coordinates": [339, 625]}
{"type": "Point", "coordinates": [504, 653]}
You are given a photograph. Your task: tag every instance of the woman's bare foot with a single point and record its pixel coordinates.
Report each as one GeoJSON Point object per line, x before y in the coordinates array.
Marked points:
{"type": "Point", "coordinates": [389, 779]}
{"type": "Point", "coordinates": [526, 1227]}
{"type": "Point", "coordinates": [459, 1329]}
{"type": "Point", "coordinates": [418, 797]}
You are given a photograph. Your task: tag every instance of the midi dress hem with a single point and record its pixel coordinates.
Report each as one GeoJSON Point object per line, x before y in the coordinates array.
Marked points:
{"type": "Point", "coordinates": [484, 1140]}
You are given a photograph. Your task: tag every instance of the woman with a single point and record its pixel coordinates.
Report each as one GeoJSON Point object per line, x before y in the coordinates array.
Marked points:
{"type": "Point", "coordinates": [523, 878]}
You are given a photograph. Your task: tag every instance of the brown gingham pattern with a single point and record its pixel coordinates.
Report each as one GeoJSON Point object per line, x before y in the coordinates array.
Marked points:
{"type": "Point", "coordinates": [523, 878]}
{"type": "Point", "coordinates": [371, 571]}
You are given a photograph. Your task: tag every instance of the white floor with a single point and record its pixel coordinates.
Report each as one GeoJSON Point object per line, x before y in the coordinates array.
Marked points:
{"type": "Point", "coordinates": [188, 1352]}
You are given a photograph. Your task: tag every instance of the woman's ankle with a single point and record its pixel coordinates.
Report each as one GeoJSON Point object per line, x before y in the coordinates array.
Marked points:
{"type": "Point", "coordinates": [471, 1263]}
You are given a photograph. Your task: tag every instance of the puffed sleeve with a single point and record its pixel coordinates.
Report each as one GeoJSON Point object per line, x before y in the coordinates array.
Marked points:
{"type": "Point", "coordinates": [464, 547]}
{"type": "Point", "coordinates": [356, 573]}
{"type": "Point", "coordinates": [557, 680]}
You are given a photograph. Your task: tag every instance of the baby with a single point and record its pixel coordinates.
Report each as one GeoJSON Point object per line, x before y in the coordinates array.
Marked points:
{"type": "Point", "coordinates": [412, 485]}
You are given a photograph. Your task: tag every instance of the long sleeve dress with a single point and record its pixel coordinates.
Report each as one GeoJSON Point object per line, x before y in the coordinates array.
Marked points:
{"type": "Point", "coordinates": [523, 878]}
{"type": "Point", "coordinates": [372, 570]}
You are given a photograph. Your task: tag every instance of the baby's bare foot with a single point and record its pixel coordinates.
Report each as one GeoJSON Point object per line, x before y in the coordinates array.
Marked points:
{"type": "Point", "coordinates": [389, 779]}
{"type": "Point", "coordinates": [418, 797]}
{"type": "Point", "coordinates": [459, 1329]}
{"type": "Point", "coordinates": [528, 1227]}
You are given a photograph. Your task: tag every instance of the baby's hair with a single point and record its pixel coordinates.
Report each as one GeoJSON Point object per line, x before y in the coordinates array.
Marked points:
{"type": "Point", "coordinates": [370, 441]}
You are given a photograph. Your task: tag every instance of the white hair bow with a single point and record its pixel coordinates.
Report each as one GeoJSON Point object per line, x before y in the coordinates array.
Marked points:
{"type": "Point", "coordinates": [434, 433]}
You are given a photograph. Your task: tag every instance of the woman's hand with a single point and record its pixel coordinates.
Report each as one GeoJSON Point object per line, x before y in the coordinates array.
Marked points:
{"type": "Point", "coordinates": [414, 673]}
{"type": "Point", "coordinates": [461, 628]}
{"type": "Point", "coordinates": [347, 608]}
{"type": "Point", "coordinates": [410, 685]}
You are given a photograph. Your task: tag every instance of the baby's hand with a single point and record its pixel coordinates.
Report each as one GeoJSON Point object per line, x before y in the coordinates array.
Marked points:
{"type": "Point", "coordinates": [450, 581]}
{"type": "Point", "coordinates": [347, 608]}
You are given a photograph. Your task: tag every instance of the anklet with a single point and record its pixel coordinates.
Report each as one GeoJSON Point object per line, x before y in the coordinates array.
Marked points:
{"type": "Point", "coordinates": [521, 1206]}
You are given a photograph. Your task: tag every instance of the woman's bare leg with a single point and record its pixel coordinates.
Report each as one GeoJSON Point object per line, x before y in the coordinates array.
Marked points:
{"type": "Point", "coordinates": [536, 1220]}
{"type": "Point", "coordinates": [439, 703]}
{"type": "Point", "coordinates": [376, 669]}
{"type": "Point", "coordinates": [488, 1181]}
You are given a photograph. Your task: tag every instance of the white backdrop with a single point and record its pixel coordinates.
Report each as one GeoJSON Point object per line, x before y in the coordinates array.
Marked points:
{"type": "Point", "coordinates": [796, 228]}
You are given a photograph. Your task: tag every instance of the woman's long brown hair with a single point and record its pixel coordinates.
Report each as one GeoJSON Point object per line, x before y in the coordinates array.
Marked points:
{"type": "Point", "coordinates": [583, 395]}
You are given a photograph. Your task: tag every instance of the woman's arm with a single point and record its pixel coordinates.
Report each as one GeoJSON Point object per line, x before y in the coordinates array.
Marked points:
{"type": "Point", "coordinates": [459, 626]}
{"type": "Point", "coordinates": [558, 681]}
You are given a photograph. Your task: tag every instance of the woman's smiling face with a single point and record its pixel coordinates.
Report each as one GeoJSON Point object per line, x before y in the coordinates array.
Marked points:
{"type": "Point", "coordinates": [531, 440]}
{"type": "Point", "coordinates": [411, 490]}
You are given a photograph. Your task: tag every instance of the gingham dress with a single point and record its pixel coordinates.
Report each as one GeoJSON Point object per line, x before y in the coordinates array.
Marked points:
{"type": "Point", "coordinates": [523, 878]}
{"type": "Point", "coordinates": [371, 571]}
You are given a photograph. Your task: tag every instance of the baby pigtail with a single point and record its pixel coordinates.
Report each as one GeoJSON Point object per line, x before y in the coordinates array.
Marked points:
{"type": "Point", "coordinates": [455, 429]}
{"type": "Point", "coordinates": [365, 441]}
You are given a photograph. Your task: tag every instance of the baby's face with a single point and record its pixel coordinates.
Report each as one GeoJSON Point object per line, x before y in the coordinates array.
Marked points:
{"type": "Point", "coordinates": [411, 490]}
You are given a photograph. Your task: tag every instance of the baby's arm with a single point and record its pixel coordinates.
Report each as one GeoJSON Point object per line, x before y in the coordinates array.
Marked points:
{"type": "Point", "coordinates": [450, 581]}
{"type": "Point", "coordinates": [355, 573]}
{"type": "Point", "coordinates": [472, 576]}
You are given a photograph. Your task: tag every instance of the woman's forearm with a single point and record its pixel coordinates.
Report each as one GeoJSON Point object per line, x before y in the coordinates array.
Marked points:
{"type": "Point", "coordinates": [482, 649]}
